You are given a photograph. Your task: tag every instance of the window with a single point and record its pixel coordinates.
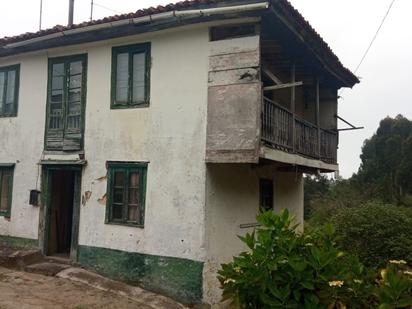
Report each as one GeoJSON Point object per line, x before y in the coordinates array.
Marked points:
{"type": "Point", "coordinates": [266, 194]}
{"type": "Point", "coordinates": [130, 76]}
{"type": "Point", "coordinates": [126, 187]}
{"type": "Point", "coordinates": [232, 31]}
{"type": "Point", "coordinates": [9, 90]}
{"type": "Point", "coordinates": [65, 103]}
{"type": "Point", "coordinates": [6, 186]}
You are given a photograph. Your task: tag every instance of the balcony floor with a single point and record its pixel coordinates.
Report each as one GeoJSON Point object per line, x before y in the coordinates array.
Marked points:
{"type": "Point", "coordinates": [295, 159]}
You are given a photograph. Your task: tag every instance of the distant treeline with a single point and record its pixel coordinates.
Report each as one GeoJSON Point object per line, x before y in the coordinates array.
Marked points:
{"type": "Point", "coordinates": [372, 210]}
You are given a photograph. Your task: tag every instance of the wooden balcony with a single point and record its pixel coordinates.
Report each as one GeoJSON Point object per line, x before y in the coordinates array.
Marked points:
{"type": "Point", "coordinates": [283, 130]}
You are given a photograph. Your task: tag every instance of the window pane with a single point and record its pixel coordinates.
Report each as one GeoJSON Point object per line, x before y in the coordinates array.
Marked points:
{"type": "Point", "coordinates": [56, 97]}
{"type": "Point", "coordinates": [58, 69]}
{"type": "Point", "coordinates": [76, 68]}
{"type": "Point", "coordinates": [10, 92]}
{"type": "Point", "coordinates": [118, 195]}
{"type": "Point", "coordinates": [133, 214]}
{"type": "Point", "coordinates": [122, 77]}
{"type": "Point", "coordinates": [2, 80]}
{"type": "Point", "coordinates": [5, 189]}
{"type": "Point", "coordinates": [75, 81]}
{"type": "Point", "coordinates": [139, 72]}
{"type": "Point", "coordinates": [119, 179]}
{"type": "Point", "coordinates": [74, 95]}
{"type": "Point", "coordinates": [117, 212]}
{"type": "Point", "coordinates": [133, 197]}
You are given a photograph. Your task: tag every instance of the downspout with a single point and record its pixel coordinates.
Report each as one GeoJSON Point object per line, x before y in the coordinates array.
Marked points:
{"type": "Point", "coordinates": [146, 19]}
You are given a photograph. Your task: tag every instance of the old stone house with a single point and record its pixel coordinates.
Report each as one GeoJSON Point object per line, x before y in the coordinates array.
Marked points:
{"type": "Point", "coordinates": [140, 145]}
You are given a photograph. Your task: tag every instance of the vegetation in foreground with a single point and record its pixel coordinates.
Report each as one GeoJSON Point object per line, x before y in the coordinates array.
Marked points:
{"type": "Point", "coordinates": [285, 269]}
{"type": "Point", "coordinates": [372, 210]}
{"type": "Point", "coordinates": [357, 243]}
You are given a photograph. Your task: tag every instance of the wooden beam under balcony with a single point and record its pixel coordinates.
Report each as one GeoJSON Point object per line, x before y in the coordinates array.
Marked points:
{"type": "Point", "coordinates": [281, 86]}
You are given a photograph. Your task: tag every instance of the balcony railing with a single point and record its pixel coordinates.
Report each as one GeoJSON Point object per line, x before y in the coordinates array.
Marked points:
{"type": "Point", "coordinates": [279, 125]}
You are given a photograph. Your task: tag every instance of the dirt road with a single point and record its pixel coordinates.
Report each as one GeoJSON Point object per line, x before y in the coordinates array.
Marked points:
{"type": "Point", "coordinates": [21, 290]}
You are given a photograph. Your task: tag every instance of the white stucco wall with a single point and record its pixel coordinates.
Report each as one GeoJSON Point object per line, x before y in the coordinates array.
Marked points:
{"type": "Point", "coordinates": [22, 143]}
{"type": "Point", "coordinates": [232, 199]}
{"type": "Point", "coordinates": [170, 135]}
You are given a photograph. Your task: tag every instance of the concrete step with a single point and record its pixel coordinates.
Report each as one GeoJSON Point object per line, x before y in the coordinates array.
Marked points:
{"type": "Point", "coordinates": [58, 259]}
{"type": "Point", "coordinates": [46, 268]}
{"type": "Point", "coordinates": [20, 258]}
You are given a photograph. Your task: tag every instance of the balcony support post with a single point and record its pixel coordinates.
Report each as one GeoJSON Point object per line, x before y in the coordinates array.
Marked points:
{"type": "Point", "coordinates": [292, 104]}
{"type": "Point", "coordinates": [317, 115]}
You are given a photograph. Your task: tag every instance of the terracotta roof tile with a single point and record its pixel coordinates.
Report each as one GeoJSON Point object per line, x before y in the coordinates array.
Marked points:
{"type": "Point", "coordinates": [289, 10]}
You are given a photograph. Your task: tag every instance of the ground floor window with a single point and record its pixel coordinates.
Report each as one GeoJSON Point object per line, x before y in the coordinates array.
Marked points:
{"type": "Point", "coordinates": [266, 194]}
{"type": "Point", "coordinates": [6, 187]}
{"type": "Point", "coordinates": [126, 189]}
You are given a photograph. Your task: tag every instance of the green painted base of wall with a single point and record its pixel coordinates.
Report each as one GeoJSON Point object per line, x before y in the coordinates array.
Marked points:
{"type": "Point", "coordinates": [177, 278]}
{"type": "Point", "coordinates": [12, 241]}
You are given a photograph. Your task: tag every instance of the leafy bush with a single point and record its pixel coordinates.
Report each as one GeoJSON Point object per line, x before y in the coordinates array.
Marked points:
{"type": "Point", "coordinates": [375, 232]}
{"type": "Point", "coordinates": [395, 286]}
{"type": "Point", "coordinates": [285, 269]}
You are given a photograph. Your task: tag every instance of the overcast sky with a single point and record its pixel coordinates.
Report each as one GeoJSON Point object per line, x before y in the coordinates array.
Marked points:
{"type": "Point", "coordinates": [346, 25]}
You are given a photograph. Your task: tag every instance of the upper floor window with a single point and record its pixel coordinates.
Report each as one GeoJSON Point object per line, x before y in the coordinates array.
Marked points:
{"type": "Point", "coordinates": [126, 190]}
{"type": "Point", "coordinates": [130, 76]}
{"type": "Point", "coordinates": [6, 185]}
{"type": "Point", "coordinates": [9, 90]}
{"type": "Point", "coordinates": [66, 103]}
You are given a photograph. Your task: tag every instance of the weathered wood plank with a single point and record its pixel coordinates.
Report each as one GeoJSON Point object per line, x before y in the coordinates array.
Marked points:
{"type": "Point", "coordinates": [234, 61]}
{"type": "Point", "coordinates": [281, 86]}
{"type": "Point", "coordinates": [238, 76]}
{"type": "Point", "coordinates": [233, 122]}
{"type": "Point", "coordinates": [236, 45]}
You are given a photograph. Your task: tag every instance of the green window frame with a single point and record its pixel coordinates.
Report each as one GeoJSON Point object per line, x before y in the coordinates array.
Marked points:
{"type": "Point", "coordinates": [6, 188]}
{"type": "Point", "coordinates": [126, 193]}
{"type": "Point", "coordinates": [66, 103]}
{"type": "Point", "coordinates": [265, 194]}
{"type": "Point", "coordinates": [130, 82]}
{"type": "Point", "coordinates": [9, 90]}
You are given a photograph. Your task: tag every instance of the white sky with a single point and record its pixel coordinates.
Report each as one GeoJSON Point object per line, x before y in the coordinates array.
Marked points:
{"type": "Point", "coordinates": [346, 25]}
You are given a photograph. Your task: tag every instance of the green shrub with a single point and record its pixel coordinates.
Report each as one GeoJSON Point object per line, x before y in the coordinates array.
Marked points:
{"type": "Point", "coordinates": [394, 288]}
{"type": "Point", "coordinates": [285, 269]}
{"type": "Point", "coordinates": [375, 233]}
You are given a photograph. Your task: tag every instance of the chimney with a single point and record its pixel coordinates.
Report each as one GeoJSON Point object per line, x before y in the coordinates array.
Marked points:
{"type": "Point", "coordinates": [71, 9]}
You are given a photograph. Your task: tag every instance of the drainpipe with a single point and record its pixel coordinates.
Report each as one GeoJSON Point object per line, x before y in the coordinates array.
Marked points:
{"type": "Point", "coordinates": [145, 19]}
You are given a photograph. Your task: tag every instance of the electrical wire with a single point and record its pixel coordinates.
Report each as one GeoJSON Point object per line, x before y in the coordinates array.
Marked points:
{"type": "Point", "coordinates": [371, 42]}
{"type": "Point", "coordinates": [375, 36]}
{"type": "Point", "coordinates": [106, 8]}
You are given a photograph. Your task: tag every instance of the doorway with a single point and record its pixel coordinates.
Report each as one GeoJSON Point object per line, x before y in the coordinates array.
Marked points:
{"type": "Point", "coordinates": [61, 211]}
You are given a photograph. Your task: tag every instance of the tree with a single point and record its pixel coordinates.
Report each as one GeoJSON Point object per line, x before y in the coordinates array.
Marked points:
{"type": "Point", "coordinates": [386, 162]}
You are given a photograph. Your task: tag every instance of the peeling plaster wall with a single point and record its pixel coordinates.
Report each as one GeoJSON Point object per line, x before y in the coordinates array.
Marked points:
{"type": "Point", "coordinates": [169, 134]}
{"type": "Point", "coordinates": [232, 199]}
{"type": "Point", "coordinates": [22, 143]}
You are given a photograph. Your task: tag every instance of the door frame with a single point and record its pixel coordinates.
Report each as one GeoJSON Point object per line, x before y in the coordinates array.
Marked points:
{"type": "Point", "coordinates": [45, 209]}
